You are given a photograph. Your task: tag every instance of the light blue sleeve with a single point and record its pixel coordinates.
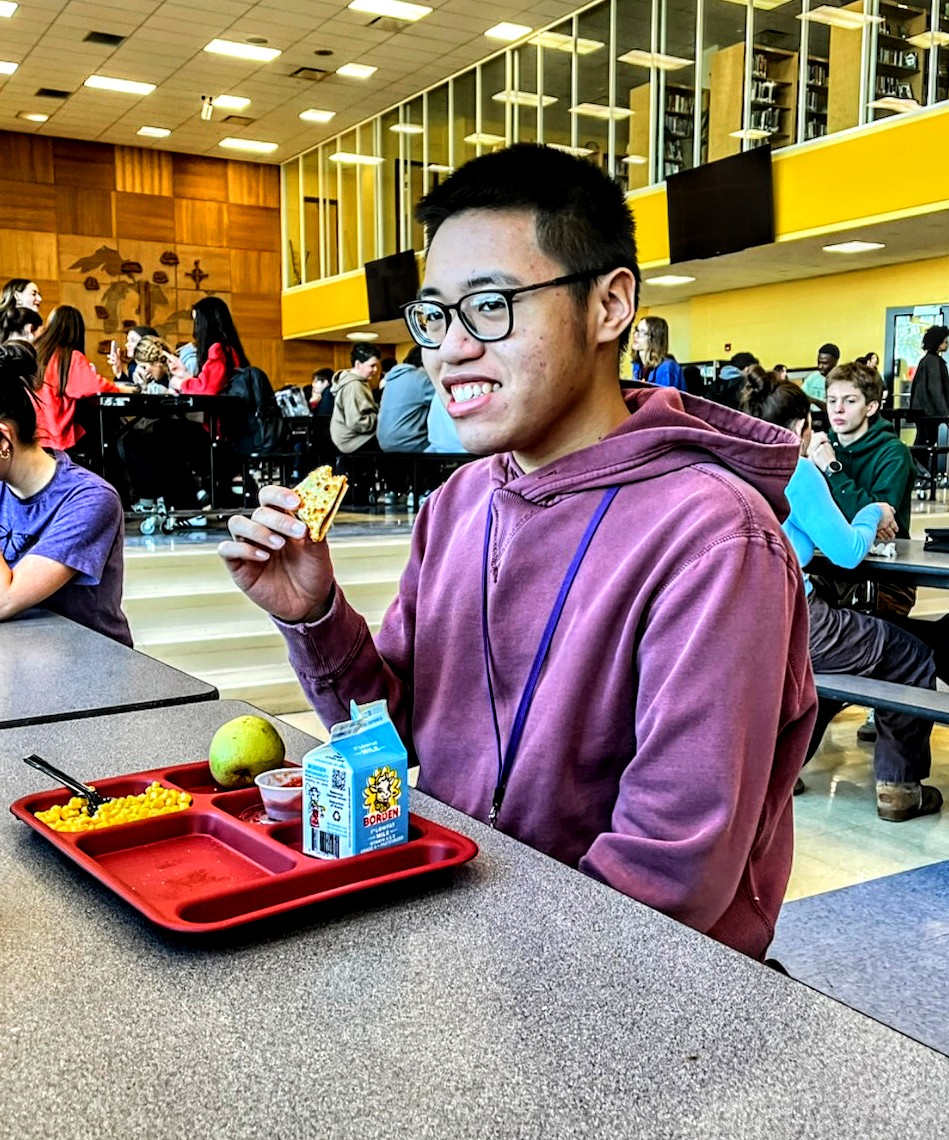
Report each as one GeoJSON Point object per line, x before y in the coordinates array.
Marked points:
{"type": "Point", "coordinates": [815, 512]}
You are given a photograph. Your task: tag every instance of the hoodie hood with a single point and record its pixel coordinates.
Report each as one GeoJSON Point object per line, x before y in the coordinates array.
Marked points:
{"type": "Point", "coordinates": [667, 430]}
{"type": "Point", "coordinates": [344, 377]}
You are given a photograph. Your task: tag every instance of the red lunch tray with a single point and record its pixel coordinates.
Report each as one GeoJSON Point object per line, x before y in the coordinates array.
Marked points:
{"type": "Point", "coordinates": [221, 863]}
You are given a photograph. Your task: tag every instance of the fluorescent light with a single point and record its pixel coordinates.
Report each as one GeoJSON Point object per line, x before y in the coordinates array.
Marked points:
{"type": "Point", "coordinates": [892, 103]}
{"type": "Point", "coordinates": [484, 139]}
{"type": "Point", "coordinates": [600, 111]}
{"type": "Point", "coordinates": [397, 9]}
{"type": "Point", "coordinates": [634, 159]}
{"type": "Point", "coordinates": [762, 5]}
{"type": "Point", "coordinates": [126, 86]}
{"type": "Point", "coordinates": [557, 41]}
{"type": "Point", "coordinates": [153, 132]}
{"type": "Point", "coordinates": [657, 59]}
{"type": "Point", "coordinates": [356, 70]}
{"type": "Point", "coordinates": [7, 68]}
{"type": "Point", "coordinates": [313, 115]}
{"type": "Point", "coordinates": [854, 246]}
{"type": "Point", "coordinates": [362, 336]}
{"type": "Point", "coordinates": [7, 7]}
{"type": "Point", "coordinates": [750, 133]}
{"type": "Point", "coordinates": [242, 51]}
{"type": "Point", "coordinates": [839, 17]}
{"type": "Point", "coordinates": [669, 279]}
{"type": "Point", "coordinates": [346, 158]}
{"type": "Point", "coordinates": [252, 145]}
{"type": "Point", "coordinates": [230, 102]}
{"type": "Point", "coordinates": [508, 32]}
{"type": "Point", "coordinates": [524, 98]}
{"type": "Point", "coordinates": [577, 151]}
{"type": "Point", "coordinates": [32, 116]}
{"type": "Point", "coordinates": [439, 168]}
{"type": "Point", "coordinates": [407, 129]}
{"type": "Point", "coordinates": [927, 40]}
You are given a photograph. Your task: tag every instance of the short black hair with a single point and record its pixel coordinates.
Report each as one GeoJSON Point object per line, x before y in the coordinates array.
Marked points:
{"type": "Point", "coordinates": [581, 215]}
{"type": "Point", "coordinates": [413, 356]}
{"type": "Point", "coordinates": [743, 360]}
{"type": "Point", "coordinates": [933, 338]}
{"type": "Point", "coordinates": [363, 351]}
{"type": "Point", "coordinates": [323, 374]}
{"type": "Point", "coordinates": [829, 350]}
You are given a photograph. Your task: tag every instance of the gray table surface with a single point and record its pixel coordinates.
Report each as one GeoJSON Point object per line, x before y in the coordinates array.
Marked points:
{"type": "Point", "coordinates": [512, 998]}
{"type": "Point", "coordinates": [53, 669]}
{"type": "Point", "coordinates": [912, 566]}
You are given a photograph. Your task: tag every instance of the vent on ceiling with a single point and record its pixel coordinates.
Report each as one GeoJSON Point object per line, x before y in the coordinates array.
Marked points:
{"type": "Point", "coordinates": [238, 120]}
{"type": "Point", "coordinates": [314, 74]}
{"type": "Point", "coordinates": [52, 93]}
{"type": "Point", "coordinates": [106, 38]}
{"type": "Point", "coordinates": [388, 24]}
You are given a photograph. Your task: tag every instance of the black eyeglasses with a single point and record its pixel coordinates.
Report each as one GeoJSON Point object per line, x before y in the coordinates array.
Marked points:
{"type": "Point", "coordinates": [487, 314]}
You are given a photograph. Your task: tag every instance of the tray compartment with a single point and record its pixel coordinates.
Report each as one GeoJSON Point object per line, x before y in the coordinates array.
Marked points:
{"type": "Point", "coordinates": [115, 787]}
{"type": "Point", "coordinates": [194, 778]}
{"type": "Point", "coordinates": [324, 878]}
{"type": "Point", "coordinates": [170, 858]}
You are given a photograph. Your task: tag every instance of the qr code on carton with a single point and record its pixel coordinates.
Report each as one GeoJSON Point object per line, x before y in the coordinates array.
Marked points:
{"type": "Point", "coordinates": [339, 779]}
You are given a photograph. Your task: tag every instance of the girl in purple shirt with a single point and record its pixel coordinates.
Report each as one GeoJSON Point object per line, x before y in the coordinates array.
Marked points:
{"type": "Point", "coordinates": [61, 526]}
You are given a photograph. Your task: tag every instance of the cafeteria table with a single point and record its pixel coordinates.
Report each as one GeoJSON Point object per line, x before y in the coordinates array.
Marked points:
{"type": "Point", "coordinates": [512, 997]}
{"type": "Point", "coordinates": [53, 669]}
{"type": "Point", "coordinates": [912, 566]}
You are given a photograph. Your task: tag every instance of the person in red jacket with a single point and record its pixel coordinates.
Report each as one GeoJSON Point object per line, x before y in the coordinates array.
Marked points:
{"type": "Point", "coordinates": [66, 376]}
{"type": "Point", "coordinates": [219, 348]}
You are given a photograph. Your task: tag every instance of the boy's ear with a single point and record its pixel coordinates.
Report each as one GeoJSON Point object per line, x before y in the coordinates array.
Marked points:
{"type": "Point", "coordinates": [616, 308]}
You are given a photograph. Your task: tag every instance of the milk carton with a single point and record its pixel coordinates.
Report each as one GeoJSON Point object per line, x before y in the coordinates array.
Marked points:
{"type": "Point", "coordinates": [355, 788]}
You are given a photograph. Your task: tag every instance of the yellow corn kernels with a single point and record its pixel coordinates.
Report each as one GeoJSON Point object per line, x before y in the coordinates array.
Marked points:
{"type": "Point", "coordinates": [74, 815]}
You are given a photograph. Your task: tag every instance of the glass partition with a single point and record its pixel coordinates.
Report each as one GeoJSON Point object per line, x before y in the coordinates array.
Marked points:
{"type": "Point", "coordinates": [643, 90]}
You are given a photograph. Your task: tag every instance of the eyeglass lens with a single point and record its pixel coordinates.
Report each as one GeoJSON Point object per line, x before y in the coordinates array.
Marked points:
{"type": "Point", "coordinates": [486, 316]}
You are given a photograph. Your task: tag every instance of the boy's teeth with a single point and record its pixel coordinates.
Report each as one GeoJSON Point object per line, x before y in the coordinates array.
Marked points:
{"type": "Point", "coordinates": [461, 393]}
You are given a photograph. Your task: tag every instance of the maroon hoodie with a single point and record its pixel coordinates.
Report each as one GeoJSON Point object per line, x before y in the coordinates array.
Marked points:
{"type": "Point", "coordinates": [675, 707]}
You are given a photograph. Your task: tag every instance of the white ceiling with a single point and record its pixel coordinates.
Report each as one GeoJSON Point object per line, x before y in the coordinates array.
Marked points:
{"type": "Point", "coordinates": [164, 42]}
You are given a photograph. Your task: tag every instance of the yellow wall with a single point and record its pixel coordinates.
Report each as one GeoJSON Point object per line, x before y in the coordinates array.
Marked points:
{"type": "Point", "coordinates": [787, 322]}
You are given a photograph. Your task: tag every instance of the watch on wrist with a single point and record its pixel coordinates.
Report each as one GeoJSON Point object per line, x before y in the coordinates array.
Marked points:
{"type": "Point", "coordinates": [834, 467]}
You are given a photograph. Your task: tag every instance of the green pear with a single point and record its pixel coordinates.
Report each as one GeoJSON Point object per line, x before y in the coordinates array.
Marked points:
{"type": "Point", "coordinates": [242, 749]}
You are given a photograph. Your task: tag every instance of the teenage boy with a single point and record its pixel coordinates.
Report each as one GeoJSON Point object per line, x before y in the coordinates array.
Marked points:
{"type": "Point", "coordinates": [575, 652]}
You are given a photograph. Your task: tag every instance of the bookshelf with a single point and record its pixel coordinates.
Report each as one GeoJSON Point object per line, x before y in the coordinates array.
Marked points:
{"type": "Point", "coordinates": [773, 97]}
{"type": "Point", "coordinates": [815, 98]}
{"type": "Point", "coordinates": [678, 130]}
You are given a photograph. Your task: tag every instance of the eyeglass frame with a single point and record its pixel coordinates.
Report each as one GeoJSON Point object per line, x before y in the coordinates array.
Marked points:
{"type": "Point", "coordinates": [508, 293]}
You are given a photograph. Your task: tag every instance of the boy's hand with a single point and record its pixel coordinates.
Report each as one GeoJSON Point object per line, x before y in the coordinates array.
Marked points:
{"type": "Point", "coordinates": [273, 560]}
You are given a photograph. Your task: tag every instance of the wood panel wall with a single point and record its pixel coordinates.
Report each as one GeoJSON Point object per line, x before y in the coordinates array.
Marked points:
{"type": "Point", "coordinates": [132, 236]}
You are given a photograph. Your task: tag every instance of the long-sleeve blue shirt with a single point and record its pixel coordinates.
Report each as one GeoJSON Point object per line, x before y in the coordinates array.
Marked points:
{"type": "Point", "coordinates": [666, 374]}
{"type": "Point", "coordinates": [816, 522]}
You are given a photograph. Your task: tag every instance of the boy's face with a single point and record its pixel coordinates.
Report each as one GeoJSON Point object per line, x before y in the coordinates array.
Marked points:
{"type": "Point", "coordinates": [825, 363]}
{"type": "Point", "coordinates": [529, 393]}
{"type": "Point", "coordinates": [848, 409]}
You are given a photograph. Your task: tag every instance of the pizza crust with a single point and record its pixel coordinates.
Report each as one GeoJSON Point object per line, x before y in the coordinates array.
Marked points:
{"type": "Point", "coordinates": [321, 493]}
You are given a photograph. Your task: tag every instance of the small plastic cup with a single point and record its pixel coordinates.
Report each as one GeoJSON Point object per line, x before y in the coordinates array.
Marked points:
{"type": "Point", "coordinates": [282, 792]}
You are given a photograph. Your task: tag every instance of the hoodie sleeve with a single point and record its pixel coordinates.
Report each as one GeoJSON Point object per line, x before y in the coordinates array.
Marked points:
{"type": "Point", "coordinates": [725, 697]}
{"type": "Point", "coordinates": [336, 659]}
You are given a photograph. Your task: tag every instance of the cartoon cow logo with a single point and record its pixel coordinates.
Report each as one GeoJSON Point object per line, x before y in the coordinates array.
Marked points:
{"type": "Point", "coordinates": [383, 789]}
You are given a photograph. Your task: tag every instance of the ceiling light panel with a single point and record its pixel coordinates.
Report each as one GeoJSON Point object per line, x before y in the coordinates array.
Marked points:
{"type": "Point", "coordinates": [556, 41]}
{"type": "Point", "coordinates": [347, 158]}
{"type": "Point", "coordinates": [524, 98]}
{"type": "Point", "coordinates": [230, 102]}
{"type": "Point", "coordinates": [600, 111]}
{"type": "Point", "coordinates": [839, 17]}
{"type": "Point", "coordinates": [7, 8]}
{"type": "Point", "coordinates": [657, 59]}
{"type": "Point", "coordinates": [669, 279]}
{"type": "Point", "coordinates": [252, 146]}
{"type": "Point", "coordinates": [927, 40]}
{"type": "Point", "coordinates": [314, 115]}
{"type": "Point", "coordinates": [893, 103]}
{"type": "Point", "coordinates": [32, 116]}
{"type": "Point", "coordinates": [484, 139]}
{"type": "Point", "coordinates": [356, 71]}
{"type": "Point", "coordinates": [854, 247]}
{"type": "Point", "coordinates": [242, 51]}
{"type": "Point", "coordinates": [396, 9]}
{"type": "Point", "coordinates": [7, 67]}
{"type": "Point", "coordinates": [153, 132]}
{"type": "Point", "coordinates": [407, 129]}
{"type": "Point", "coordinates": [124, 86]}
{"type": "Point", "coordinates": [761, 5]}
{"type": "Point", "coordinates": [750, 133]}
{"type": "Point", "coordinates": [577, 151]}
{"type": "Point", "coordinates": [508, 32]}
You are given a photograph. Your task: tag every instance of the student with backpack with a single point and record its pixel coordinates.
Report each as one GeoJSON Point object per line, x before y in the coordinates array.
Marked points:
{"type": "Point", "coordinates": [219, 351]}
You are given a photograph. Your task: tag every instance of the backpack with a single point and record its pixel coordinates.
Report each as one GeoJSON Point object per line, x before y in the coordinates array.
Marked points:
{"type": "Point", "coordinates": [255, 427]}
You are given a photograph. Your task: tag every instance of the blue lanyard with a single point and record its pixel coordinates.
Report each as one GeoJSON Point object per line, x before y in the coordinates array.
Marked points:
{"type": "Point", "coordinates": [506, 764]}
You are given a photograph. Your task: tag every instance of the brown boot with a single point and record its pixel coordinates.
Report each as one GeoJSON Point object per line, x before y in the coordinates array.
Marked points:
{"type": "Point", "coordinates": [899, 802]}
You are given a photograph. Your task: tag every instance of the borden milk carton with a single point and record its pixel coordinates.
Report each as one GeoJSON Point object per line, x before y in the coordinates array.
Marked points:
{"type": "Point", "coordinates": [355, 788]}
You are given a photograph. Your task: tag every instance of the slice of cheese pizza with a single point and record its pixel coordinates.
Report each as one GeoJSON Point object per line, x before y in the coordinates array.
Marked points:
{"type": "Point", "coordinates": [321, 492]}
